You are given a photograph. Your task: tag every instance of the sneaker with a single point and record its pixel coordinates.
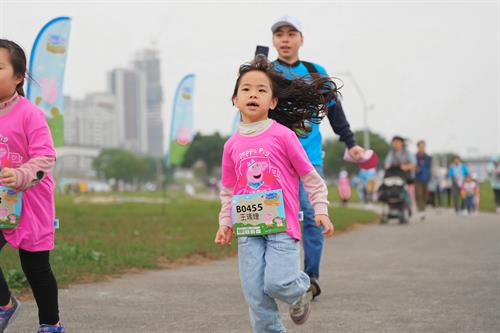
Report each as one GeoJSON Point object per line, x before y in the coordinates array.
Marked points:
{"type": "Point", "coordinates": [316, 290]}
{"type": "Point", "coordinates": [51, 328]}
{"type": "Point", "coordinates": [8, 315]}
{"type": "Point", "coordinates": [299, 312]}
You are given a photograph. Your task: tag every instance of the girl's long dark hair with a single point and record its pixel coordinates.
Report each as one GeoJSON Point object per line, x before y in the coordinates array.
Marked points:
{"type": "Point", "coordinates": [300, 100]}
{"type": "Point", "coordinates": [17, 59]}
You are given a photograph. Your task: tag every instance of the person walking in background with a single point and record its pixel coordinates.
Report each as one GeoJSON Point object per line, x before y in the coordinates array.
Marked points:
{"type": "Point", "coordinates": [344, 187]}
{"type": "Point", "coordinates": [469, 192]}
{"type": "Point", "coordinates": [422, 177]}
{"type": "Point", "coordinates": [368, 182]}
{"type": "Point", "coordinates": [445, 186]}
{"type": "Point", "coordinates": [494, 175]}
{"type": "Point", "coordinates": [457, 173]}
{"type": "Point", "coordinates": [358, 186]}
{"type": "Point", "coordinates": [477, 198]}
{"type": "Point", "coordinates": [434, 191]}
{"type": "Point", "coordinates": [399, 157]}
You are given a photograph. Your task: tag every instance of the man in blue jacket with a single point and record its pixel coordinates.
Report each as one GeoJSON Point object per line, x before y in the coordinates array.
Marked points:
{"type": "Point", "coordinates": [287, 39]}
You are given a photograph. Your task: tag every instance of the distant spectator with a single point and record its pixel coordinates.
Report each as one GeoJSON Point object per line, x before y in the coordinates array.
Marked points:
{"type": "Point", "coordinates": [399, 156]}
{"type": "Point", "coordinates": [494, 175]}
{"type": "Point", "coordinates": [470, 193]}
{"type": "Point", "coordinates": [457, 173]}
{"type": "Point", "coordinates": [422, 177]}
{"type": "Point", "coordinates": [344, 187]}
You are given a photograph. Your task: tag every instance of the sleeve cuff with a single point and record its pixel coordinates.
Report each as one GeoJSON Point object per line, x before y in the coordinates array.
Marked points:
{"type": "Point", "coordinates": [321, 209]}
{"type": "Point", "coordinates": [20, 176]}
{"type": "Point", "coordinates": [225, 222]}
{"type": "Point", "coordinates": [350, 143]}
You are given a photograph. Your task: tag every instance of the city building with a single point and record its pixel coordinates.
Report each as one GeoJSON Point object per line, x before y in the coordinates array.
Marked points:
{"type": "Point", "coordinates": [148, 62]}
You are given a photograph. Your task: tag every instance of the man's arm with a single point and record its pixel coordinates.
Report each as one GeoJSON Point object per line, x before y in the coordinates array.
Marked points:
{"type": "Point", "coordinates": [336, 115]}
{"type": "Point", "coordinates": [411, 165]}
{"type": "Point", "coordinates": [340, 125]}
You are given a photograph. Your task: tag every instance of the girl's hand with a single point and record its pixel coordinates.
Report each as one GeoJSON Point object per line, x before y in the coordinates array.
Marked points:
{"type": "Point", "coordinates": [324, 220]}
{"type": "Point", "coordinates": [8, 177]}
{"type": "Point", "coordinates": [224, 235]}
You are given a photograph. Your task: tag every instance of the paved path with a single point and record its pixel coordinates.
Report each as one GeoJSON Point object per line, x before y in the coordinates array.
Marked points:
{"type": "Point", "coordinates": [441, 275]}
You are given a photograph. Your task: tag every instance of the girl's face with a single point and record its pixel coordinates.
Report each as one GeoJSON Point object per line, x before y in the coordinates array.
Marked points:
{"type": "Point", "coordinates": [8, 80]}
{"type": "Point", "coordinates": [254, 97]}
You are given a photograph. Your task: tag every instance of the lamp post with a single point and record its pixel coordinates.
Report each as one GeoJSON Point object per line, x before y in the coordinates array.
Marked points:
{"type": "Point", "coordinates": [366, 108]}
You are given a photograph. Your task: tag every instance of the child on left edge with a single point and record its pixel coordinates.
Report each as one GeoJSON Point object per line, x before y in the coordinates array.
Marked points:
{"type": "Point", "coordinates": [27, 156]}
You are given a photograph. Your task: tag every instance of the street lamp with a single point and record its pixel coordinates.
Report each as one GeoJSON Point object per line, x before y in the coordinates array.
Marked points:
{"type": "Point", "coordinates": [366, 108]}
{"type": "Point", "coordinates": [366, 131]}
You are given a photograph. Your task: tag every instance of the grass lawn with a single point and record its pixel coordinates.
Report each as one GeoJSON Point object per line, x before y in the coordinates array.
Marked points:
{"type": "Point", "coordinates": [99, 240]}
{"type": "Point", "coordinates": [334, 197]}
{"type": "Point", "coordinates": [344, 218]}
{"type": "Point", "coordinates": [487, 200]}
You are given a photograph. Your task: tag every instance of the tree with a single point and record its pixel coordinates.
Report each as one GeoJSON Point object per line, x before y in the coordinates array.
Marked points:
{"type": "Point", "coordinates": [207, 148]}
{"type": "Point", "coordinates": [120, 164]}
{"type": "Point", "coordinates": [154, 167]}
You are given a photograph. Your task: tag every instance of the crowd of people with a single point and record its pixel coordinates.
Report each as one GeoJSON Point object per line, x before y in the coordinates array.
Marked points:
{"type": "Point", "coordinates": [452, 185]}
{"type": "Point", "coordinates": [272, 180]}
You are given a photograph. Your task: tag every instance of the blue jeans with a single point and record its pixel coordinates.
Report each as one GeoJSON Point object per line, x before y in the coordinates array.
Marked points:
{"type": "Point", "coordinates": [269, 270]}
{"type": "Point", "coordinates": [312, 235]}
{"type": "Point", "coordinates": [469, 203]}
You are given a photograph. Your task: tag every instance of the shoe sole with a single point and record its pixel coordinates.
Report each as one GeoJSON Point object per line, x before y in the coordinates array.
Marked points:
{"type": "Point", "coordinates": [316, 290]}
{"type": "Point", "coordinates": [14, 315]}
{"type": "Point", "coordinates": [304, 318]}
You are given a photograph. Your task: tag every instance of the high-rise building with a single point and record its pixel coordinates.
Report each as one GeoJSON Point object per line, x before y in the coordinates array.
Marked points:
{"type": "Point", "coordinates": [148, 62]}
{"type": "Point", "coordinates": [91, 122]}
{"type": "Point", "coordinates": [128, 86]}
{"type": "Point", "coordinates": [99, 121]}
{"type": "Point", "coordinates": [70, 122]}
{"type": "Point", "coordinates": [89, 125]}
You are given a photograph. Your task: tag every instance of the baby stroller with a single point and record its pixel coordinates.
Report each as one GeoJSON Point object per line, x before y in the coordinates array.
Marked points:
{"type": "Point", "coordinates": [393, 194]}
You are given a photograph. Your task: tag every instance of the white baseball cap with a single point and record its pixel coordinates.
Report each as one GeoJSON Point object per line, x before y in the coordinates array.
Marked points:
{"type": "Point", "coordinates": [286, 20]}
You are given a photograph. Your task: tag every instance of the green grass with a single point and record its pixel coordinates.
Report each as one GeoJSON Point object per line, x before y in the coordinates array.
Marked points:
{"type": "Point", "coordinates": [344, 218]}
{"type": "Point", "coordinates": [97, 240]}
{"type": "Point", "coordinates": [334, 197]}
{"type": "Point", "coordinates": [487, 200]}
{"type": "Point", "coordinates": [138, 194]}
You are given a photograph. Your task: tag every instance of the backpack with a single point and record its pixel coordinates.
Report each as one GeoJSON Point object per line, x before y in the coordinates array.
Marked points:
{"type": "Point", "coordinates": [311, 68]}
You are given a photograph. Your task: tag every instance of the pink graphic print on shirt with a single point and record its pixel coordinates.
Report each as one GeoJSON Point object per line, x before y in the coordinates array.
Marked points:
{"type": "Point", "coordinates": [256, 174]}
{"type": "Point", "coordinates": [8, 159]}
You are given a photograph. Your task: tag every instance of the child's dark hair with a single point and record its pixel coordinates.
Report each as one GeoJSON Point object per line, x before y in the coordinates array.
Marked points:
{"type": "Point", "coordinates": [299, 99]}
{"type": "Point", "coordinates": [18, 61]}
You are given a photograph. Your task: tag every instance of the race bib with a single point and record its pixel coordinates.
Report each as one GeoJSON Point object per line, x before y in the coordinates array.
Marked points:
{"type": "Point", "coordinates": [10, 207]}
{"type": "Point", "coordinates": [259, 214]}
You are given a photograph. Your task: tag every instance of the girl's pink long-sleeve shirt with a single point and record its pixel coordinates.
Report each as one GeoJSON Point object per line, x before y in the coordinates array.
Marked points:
{"type": "Point", "coordinates": [274, 155]}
